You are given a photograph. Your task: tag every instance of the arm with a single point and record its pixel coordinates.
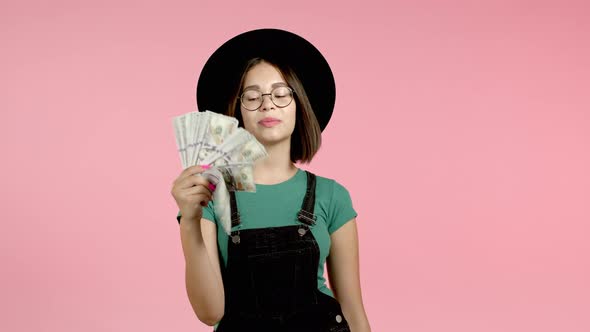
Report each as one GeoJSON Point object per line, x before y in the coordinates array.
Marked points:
{"type": "Point", "coordinates": [344, 276]}
{"type": "Point", "coordinates": [204, 284]}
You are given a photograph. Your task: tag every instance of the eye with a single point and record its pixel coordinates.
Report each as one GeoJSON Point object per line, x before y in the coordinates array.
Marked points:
{"type": "Point", "coordinates": [251, 95]}
{"type": "Point", "coordinates": [281, 92]}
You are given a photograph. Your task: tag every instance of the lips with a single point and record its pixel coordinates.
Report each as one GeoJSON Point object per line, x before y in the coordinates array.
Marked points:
{"type": "Point", "coordinates": [269, 119]}
{"type": "Point", "coordinates": [269, 122]}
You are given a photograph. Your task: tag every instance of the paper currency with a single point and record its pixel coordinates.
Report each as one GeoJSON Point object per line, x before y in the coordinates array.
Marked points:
{"type": "Point", "coordinates": [238, 177]}
{"type": "Point", "coordinates": [180, 134]}
{"type": "Point", "coordinates": [208, 138]}
{"type": "Point", "coordinates": [215, 139]}
{"type": "Point", "coordinates": [214, 130]}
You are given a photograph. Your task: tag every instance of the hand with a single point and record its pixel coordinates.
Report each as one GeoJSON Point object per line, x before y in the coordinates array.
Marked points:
{"type": "Point", "coordinates": [192, 192]}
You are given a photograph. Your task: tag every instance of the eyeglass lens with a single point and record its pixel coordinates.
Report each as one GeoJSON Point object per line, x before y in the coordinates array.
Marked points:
{"type": "Point", "coordinates": [280, 96]}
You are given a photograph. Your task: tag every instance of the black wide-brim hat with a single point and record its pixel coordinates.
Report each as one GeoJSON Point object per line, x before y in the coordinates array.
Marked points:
{"type": "Point", "coordinates": [223, 71]}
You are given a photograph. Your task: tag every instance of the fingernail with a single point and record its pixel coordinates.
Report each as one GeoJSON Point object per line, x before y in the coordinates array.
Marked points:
{"type": "Point", "coordinates": [212, 186]}
{"type": "Point", "coordinates": [206, 166]}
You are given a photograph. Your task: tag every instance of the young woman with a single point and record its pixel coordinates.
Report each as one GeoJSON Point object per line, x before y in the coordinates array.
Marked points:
{"type": "Point", "coordinates": [268, 274]}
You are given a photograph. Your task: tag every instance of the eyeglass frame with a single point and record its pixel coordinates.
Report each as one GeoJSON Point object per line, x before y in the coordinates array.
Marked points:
{"type": "Point", "coordinates": [268, 94]}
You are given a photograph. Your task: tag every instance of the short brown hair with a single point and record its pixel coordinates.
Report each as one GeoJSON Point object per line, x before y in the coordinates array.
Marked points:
{"type": "Point", "coordinates": [307, 135]}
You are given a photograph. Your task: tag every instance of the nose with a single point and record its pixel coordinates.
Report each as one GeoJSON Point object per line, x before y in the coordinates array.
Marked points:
{"type": "Point", "coordinates": [267, 103]}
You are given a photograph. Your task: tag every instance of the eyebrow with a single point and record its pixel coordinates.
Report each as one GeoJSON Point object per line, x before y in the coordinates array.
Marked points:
{"type": "Point", "coordinates": [274, 85]}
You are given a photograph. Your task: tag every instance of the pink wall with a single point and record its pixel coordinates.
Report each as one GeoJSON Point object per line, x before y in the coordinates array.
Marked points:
{"type": "Point", "coordinates": [461, 129]}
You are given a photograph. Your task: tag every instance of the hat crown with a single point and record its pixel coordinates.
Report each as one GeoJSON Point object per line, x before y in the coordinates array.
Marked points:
{"type": "Point", "coordinates": [224, 68]}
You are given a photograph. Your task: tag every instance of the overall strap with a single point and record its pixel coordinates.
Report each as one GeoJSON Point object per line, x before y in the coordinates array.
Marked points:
{"type": "Point", "coordinates": [235, 214]}
{"type": "Point", "coordinates": [306, 215]}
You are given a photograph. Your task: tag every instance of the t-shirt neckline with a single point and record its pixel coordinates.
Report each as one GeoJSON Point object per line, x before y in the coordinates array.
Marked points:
{"type": "Point", "coordinates": [289, 180]}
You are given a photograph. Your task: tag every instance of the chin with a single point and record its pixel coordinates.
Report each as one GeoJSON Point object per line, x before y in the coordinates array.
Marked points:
{"type": "Point", "coordinates": [271, 139]}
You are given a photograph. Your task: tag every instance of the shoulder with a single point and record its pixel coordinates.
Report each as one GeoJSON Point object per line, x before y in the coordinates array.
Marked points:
{"type": "Point", "coordinates": [334, 202]}
{"type": "Point", "coordinates": [330, 187]}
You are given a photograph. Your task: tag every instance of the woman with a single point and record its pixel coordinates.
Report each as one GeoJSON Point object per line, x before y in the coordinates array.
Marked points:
{"type": "Point", "coordinates": [268, 274]}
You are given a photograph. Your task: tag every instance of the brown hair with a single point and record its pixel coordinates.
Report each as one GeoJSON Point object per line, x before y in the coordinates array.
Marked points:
{"type": "Point", "coordinates": [307, 135]}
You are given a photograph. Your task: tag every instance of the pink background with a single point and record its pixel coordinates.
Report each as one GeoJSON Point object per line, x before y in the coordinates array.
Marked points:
{"type": "Point", "coordinates": [461, 129]}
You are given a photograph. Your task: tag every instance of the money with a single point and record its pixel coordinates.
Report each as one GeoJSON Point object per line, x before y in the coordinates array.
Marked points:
{"type": "Point", "coordinates": [209, 138]}
{"type": "Point", "coordinates": [249, 152]}
{"type": "Point", "coordinates": [180, 134]}
{"type": "Point", "coordinates": [238, 177]}
{"type": "Point", "coordinates": [214, 129]}
{"type": "Point", "coordinates": [221, 127]}
{"type": "Point", "coordinates": [215, 139]}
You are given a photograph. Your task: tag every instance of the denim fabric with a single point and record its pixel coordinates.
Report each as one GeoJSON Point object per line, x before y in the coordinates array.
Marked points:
{"type": "Point", "coordinates": [271, 279]}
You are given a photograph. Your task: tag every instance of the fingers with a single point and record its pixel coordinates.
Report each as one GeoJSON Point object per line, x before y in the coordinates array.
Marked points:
{"type": "Point", "coordinates": [192, 180]}
{"type": "Point", "coordinates": [194, 195]}
{"type": "Point", "coordinates": [191, 177]}
{"type": "Point", "coordinates": [196, 190]}
{"type": "Point", "coordinates": [203, 199]}
{"type": "Point", "coordinates": [194, 170]}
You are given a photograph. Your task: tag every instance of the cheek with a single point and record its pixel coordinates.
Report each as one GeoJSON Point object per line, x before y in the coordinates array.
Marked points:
{"type": "Point", "coordinates": [293, 116]}
{"type": "Point", "coordinates": [246, 118]}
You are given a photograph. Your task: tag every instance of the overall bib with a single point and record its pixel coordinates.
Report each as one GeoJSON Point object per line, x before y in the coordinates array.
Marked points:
{"type": "Point", "coordinates": [270, 280]}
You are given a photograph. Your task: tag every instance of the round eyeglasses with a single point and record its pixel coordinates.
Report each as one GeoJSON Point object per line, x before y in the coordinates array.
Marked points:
{"type": "Point", "coordinates": [281, 96]}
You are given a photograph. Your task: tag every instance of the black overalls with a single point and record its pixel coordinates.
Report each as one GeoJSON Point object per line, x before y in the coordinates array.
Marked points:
{"type": "Point", "coordinates": [270, 280]}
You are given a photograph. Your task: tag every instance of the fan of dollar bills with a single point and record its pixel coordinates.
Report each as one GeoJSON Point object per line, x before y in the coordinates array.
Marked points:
{"type": "Point", "coordinates": [209, 138]}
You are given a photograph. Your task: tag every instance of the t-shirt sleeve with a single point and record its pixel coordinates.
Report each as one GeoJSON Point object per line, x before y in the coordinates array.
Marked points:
{"type": "Point", "coordinates": [341, 209]}
{"type": "Point", "coordinates": [208, 213]}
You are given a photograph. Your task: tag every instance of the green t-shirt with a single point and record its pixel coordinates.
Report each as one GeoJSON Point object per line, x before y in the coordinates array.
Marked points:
{"type": "Point", "coordinates": [278, 204]}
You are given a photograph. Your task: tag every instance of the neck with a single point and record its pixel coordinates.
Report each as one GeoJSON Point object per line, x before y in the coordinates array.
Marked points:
{"type": "Point", "coordinates": [277, 166]}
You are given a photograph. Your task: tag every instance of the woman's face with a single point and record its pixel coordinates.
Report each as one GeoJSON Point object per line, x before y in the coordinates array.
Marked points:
{"type": "Point", "coordinates": [264, 77]}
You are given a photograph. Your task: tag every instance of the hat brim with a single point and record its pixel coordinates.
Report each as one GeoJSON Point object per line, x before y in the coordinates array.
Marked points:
{"type": "Point", "coordinates": [223, 70]}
